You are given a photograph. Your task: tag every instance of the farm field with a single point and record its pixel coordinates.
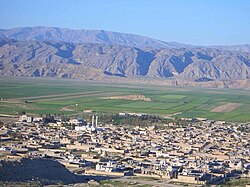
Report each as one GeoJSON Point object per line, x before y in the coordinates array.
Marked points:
{"type": "Point", "coordinates": [71, 97]}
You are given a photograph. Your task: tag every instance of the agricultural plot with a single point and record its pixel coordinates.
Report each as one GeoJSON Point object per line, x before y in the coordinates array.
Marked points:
{"type": "Point", "coordinates": [71, 97]}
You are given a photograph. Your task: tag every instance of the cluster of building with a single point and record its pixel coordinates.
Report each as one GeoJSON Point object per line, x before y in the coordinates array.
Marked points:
{"type": "Point", "coordinates": [201, 151]}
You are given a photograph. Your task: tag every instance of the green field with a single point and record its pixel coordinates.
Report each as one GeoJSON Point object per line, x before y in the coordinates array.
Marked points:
{"type": "Point", "coordinates": [40, 96]}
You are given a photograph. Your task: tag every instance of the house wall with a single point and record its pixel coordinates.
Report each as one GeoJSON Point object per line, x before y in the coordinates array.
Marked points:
{"type": "Point", "coordinates": [187, 179]}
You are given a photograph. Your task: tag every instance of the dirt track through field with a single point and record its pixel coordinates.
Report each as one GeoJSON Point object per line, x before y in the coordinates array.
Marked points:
{"type": "Point", "coordinates": [54, 97]}
{"type": "Point", "coordinates": [76, 96]}
{"type": "Point", "coordinates": [226, 107]}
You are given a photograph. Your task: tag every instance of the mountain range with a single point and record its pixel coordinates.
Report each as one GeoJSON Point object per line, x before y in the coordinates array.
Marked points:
{"type": "Point", "coordinates": [98, 54]}
{"type": "Point", "coordinates": [86, 36]}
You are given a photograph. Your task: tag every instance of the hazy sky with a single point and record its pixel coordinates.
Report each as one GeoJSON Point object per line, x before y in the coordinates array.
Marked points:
{"type": "Point", "coordinates": [204, 22]}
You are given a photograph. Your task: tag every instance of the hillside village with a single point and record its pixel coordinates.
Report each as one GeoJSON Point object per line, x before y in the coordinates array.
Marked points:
{"type": "Point", "coordinates": [197, 151]}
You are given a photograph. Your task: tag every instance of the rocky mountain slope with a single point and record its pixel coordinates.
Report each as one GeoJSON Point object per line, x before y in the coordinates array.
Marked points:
{"type": "Point", "coordinates": [98, 55]}
{"type": "Point", "coordinates": [85, 61]}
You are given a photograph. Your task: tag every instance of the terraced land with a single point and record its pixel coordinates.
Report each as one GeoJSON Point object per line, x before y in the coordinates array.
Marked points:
{"type": "Point", "coordinates": [71, 97]}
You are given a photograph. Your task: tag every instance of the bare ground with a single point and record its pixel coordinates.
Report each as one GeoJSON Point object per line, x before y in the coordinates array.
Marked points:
{"type": "Point", "coordinates": [226, 107]}
{"type": "Point", "coordinates": [63, 96]}
{"type": "Point", "coordinates": [130, 97]}
{"type": "Point", "coordinates": [67, 109]}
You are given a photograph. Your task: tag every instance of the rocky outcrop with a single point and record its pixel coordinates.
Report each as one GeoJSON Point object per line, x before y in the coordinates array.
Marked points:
{"type": "Point", "coordinates": [43, 170]}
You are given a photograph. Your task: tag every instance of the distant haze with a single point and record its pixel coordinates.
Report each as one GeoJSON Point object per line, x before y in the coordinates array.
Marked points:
{"type": "Point", "coordinates": [194, 22]}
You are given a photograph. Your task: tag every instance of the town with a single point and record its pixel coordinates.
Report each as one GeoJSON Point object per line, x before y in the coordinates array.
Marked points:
{"type": "Point", "coordinates": [196, 151]}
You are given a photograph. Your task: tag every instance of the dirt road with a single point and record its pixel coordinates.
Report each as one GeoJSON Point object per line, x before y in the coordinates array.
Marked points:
{"type": "Point", "coordinates": [158, 183]}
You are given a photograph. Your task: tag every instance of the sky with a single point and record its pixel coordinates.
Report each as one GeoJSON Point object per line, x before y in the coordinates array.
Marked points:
{"type": "Point", "coordinates": [198, 22]}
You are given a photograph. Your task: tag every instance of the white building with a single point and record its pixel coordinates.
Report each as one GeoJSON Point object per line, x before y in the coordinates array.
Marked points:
{"type": "Point", "coordinates": [25, 118]}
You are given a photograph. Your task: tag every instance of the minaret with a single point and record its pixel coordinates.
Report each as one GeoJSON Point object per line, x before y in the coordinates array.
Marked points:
{"type": "Point", "coordinates": [93, 121]}
{"type": "Point", "coordinates": [96, 121]}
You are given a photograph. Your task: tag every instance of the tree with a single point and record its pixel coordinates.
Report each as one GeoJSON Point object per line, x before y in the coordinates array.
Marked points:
{"type": "Point", "coordinates": [22, 113]}
{"type": "Point", "coordinates": [48, 119]}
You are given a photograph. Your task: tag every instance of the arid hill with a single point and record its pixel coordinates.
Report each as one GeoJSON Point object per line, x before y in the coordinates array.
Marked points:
{"type": "Point", "coordinates": [65, 53]}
